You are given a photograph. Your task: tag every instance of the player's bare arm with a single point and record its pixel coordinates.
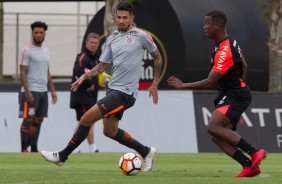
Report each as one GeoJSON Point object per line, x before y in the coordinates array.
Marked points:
{"type": "Point", "coordinates": [157, 65]}
{"type": "Point", "coordinates": [153, 90]}
{"type": "Point", "coordinates": [52, 88]}
{"type": "Point", "coordinates": [23, 78]}
{"type": "Point", "coordinates": [244, 68]}
{"type": "Point", "coordinates": [100, 68]}
{"type": "Point", "coordinates": [207, 83]}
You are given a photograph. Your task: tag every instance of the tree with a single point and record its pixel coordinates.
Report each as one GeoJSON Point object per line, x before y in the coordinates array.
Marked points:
{"type": "Point", "coordinates": [272, 11]}
{"type": "Point", "coordinates": [110, 16]}
{"type": "Point", "coordinates": [275, 46]}
{"type": "Point", "coordinates": [1, 40]}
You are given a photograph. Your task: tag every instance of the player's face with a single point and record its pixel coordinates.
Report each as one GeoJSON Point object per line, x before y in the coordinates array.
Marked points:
{"type": "Point", "coordinates": [210, 27]}
{"type": "Point", "coordinates": [38, 35]}
{"type": "Point", "coordinates": [92, 45]}
{"type": "Point", "coordinates": [124, 20]}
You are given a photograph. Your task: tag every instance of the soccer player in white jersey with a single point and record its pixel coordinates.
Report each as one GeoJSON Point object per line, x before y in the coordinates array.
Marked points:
{"type": "Point", "coordinates": [124, 49]}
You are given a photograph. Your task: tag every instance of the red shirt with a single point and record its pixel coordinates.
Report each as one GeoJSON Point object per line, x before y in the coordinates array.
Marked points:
{"type": "Point", "coordinates": [226, 59]}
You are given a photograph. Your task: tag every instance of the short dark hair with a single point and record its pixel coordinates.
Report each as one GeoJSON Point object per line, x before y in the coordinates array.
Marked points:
{"type": "Point", "coordinates": [39, 24]}
{"type": "Point", "coordinates": [218, 16]}
{"type": "Point", "coordinates": [125, 6]}
{"type": "Point", "coordinates": [92, 35]}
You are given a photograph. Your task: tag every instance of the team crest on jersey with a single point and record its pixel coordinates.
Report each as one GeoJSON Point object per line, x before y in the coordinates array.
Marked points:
{"type": "Point", "coordinates": [129, 39]}
{"type": "Point", "coordinates": [31, 111]}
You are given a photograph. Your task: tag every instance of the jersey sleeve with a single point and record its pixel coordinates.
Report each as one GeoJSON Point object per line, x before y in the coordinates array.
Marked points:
{"type": "Point", "coordinates": [106, 56]}
{"type": "Point", "coordinates": [25, 56]}
{"type": "Point", "coordinates": [223, 59]}
{"type": "Point", "coordinates": [149, 43]}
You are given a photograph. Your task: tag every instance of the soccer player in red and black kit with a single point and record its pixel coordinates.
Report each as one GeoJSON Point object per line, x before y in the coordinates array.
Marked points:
{"type": "Point", "coordinates": [228, 74]}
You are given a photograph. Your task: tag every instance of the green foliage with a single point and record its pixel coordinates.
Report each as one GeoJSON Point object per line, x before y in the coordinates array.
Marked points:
{"type": "Point", "coordinates": [264, 9]}
{"type": "Point", "coordinates": [102, 168]}
{"type": "Point", "coordinates": [133, 1]}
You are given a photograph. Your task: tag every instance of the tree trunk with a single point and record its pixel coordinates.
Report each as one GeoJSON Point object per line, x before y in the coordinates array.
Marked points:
{"type": "Point", "coordinates": [275, 46]}
{"type": "Point", "coordinates": [110, 16]}
{"type": "Point", "coordinates": [1, 40]}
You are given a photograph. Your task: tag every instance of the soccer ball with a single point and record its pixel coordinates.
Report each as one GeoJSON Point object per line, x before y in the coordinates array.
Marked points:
{"type": "Point", "coordinates": [130, 164]}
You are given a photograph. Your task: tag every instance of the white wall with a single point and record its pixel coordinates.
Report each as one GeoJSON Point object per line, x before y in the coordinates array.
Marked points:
{"type": "Point", "coordinates": [86, 7]}
{"type": "Point", "coordinates": [169, 126]}
{"type": "Point", "coordinates": [63, 38]}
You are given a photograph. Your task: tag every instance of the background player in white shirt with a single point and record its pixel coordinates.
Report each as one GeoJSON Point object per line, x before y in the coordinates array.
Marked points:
{"type": "Point", "coordinates": [35, 78]}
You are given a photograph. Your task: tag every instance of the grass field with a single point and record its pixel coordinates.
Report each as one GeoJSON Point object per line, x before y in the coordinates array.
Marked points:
{"type": "Point", "coordinates": [102, 168]}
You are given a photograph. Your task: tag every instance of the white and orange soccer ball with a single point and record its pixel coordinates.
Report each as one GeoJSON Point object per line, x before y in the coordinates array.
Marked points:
{"type": "Point", "coordinates": [130, 164]}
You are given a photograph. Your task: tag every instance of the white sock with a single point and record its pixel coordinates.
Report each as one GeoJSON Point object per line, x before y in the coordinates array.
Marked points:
{"type": "Point", "coordinates": [92, 147]}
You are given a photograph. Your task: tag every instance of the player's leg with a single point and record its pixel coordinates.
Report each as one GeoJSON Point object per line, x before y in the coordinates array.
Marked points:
{"type": "Point", "coordinates": [91, 141]}
{"type": "Point", "coordinates": [112, 108]}
{"type": "Point", "coordinates": [220, 127]}
{"type": "Point", "coordinates": [26, 111]}
{"type": "Point", "coordinates": [90, 137]}
{"type": "Point", "coordinates": [112, 131]}
{"type": "Point", "coordinates": [224, 120]}
{"type": "Point", "coordinates": [233, 152]}
{"type": "Point", "coordinates": [24, 132]}
{"type": "Point", "coordinates": [89, 118]}
{"type": "Point", "coordinates": [40, 105]}
{"type": "Point", "coordinates": [239, 156]}
{"type": "Point", "coordinates": [34, 133]}
{"type": "Point", "coordinates": [80, 110]}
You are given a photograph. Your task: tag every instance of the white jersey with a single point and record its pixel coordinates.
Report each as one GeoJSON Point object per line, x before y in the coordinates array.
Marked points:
{"type": "Point", "coordinates": [37, 60]}
{"type": "Point", "coordinates": [125, 50]}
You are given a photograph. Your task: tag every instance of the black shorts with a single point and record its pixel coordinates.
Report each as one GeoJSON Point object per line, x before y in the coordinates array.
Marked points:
{"type": "Point", "coordinates": [81, 109]}
{"type": "Point", "coordinates": [233, 103]}
{"type": "Point", "coordinates": [39, 107]}
{"type": "Point", "coordinates": [115, 103]}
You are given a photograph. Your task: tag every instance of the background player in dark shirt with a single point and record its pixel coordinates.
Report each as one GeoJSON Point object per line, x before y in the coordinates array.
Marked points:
{"type": "Point", "coordinates": [86, 96]}
{"type": "Point", "coordinates": [228, 74]}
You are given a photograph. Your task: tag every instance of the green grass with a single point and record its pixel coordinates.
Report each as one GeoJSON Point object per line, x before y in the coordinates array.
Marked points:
{"type": "Point", "coordinates": [102, 168]}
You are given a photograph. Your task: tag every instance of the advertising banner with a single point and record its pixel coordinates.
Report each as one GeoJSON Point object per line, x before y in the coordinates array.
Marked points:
{"type": "Point", "coordinates": [260, 125]}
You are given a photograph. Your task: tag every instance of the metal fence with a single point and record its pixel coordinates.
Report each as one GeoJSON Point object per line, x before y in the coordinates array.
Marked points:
{"type": "Point", "coordinates": [63, 38]}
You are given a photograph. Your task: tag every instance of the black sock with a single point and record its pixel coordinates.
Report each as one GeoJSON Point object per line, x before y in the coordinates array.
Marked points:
{"type": "Point", "coordinates": [242, 159]}
{"type": "Point", "coordinates": [25, 134]}
{"type": "Point", "coordinates": [125, 139]}
{"type": "Point", "coordinates": [78, 137]}
{"type": "Point", "coordinates": [246, 147]}
{"type": "Point", "coordinates": [34, 135]}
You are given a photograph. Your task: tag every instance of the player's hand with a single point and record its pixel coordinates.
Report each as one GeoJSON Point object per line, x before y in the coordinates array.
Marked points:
{"type": "Point", "coordinates": [77, 83]}
{"type": "Point", "coordinates": [91, 88]}
{"type": "Point", "coordinates": [29, 97]}
{"type": "Point", "coordinates": [54, 97]}
{"type": "Point", "coordinates": [175, 82]}
{"type": "Point", "coordinates": [153, 91]}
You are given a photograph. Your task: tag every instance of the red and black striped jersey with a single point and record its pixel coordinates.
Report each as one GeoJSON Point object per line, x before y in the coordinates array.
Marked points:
{"type": "Point", "coordinates": [227, 60]}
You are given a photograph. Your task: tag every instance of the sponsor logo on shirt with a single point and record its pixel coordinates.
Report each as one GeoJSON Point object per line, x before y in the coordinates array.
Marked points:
{"type": "Point", "coordinates": [222, 100]}
{"type": "Point", "coordinates": [222, 57]}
